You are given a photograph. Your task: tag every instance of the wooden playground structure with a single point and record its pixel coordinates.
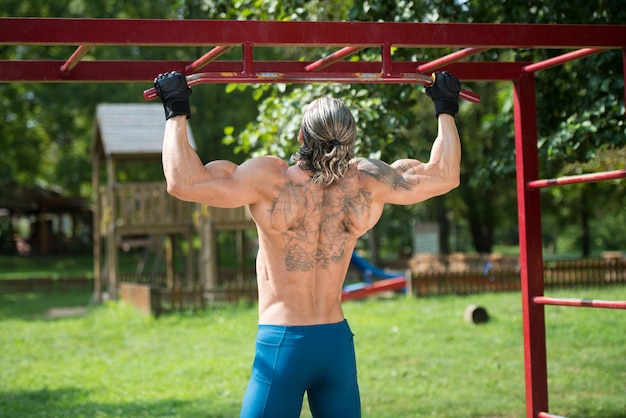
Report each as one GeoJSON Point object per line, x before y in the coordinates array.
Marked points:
{"type": "Point", "coordinates": [141, 215]}
{"type": "Point", "coordinates": [471, 39]}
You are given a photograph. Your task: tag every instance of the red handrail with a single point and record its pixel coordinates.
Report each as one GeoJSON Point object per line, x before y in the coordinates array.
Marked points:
{"type": "Point", "coordinates": [587, 303]}
{"type": "Point", "coordinates": [581, 178]}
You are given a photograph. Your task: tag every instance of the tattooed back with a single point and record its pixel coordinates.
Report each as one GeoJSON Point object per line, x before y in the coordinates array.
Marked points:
{"type": "Point", "coordinates": [307, 234]}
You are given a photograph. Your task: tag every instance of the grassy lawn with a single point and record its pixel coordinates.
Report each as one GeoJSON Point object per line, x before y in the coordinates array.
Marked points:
{"type": "Point", "coordinates": [416, 358]}
{"type": "Point", "coordinates": [54, 266]}
{"type": "Point", "coordinates": [13, 267]}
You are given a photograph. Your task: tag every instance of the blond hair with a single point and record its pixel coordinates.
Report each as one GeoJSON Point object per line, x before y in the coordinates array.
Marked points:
{"type": "Point", "coordinates": [328, 133]}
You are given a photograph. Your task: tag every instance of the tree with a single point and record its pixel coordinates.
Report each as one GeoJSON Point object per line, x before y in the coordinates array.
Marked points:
{"type": "Point", "coordinates": [47, 128]}
{"type": "Point", "coordinates": [580, 105]}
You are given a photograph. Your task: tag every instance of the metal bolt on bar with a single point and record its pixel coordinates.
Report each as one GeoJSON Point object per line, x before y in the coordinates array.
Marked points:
{"type": "Point", "coordinates": [560, 59]}
{"type": "Point", "coordinates": [75, 58]}
{"type": "Point", "coordinates": [582, 178]}
{"type": "Point", "coordinates": [585, 303]}
{"type": "Point", "coordinates": [207, 58]}
{"type": "Point", "coordinates": [332, 58]}
{"type": "Point", "coordinates": [450, 58]}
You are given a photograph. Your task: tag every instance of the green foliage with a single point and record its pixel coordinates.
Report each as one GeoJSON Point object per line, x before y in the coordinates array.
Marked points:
{"type": "Point", "coordinates": [46, 129]}
{"type": "Point", "coordinates": [23, 138]}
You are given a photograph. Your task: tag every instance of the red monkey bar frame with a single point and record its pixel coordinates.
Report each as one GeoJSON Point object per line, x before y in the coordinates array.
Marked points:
{"type": "Point", "coordinates": [351, 37]}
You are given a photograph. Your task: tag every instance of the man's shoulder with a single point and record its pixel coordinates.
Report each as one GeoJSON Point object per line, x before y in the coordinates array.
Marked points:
{"type": "Point", "coordinates": [268, 163]}
{"type": "Point", "coordinates": [371, 167]}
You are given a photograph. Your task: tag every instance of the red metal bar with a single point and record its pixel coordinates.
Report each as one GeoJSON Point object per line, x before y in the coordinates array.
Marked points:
{"type": "Point", "coordinates": [201, 62]}
{"type": "Point", "coordinates": [387, 60]}
{"type": "Point", "coordinates": [145, 71]}
{"type": "Point", "coordinates": [294, 77]}
{"type": "Point", "coordinates": [386, 285]}
{"type": "Point", "coordinates": [248, 60]}
{"type": "Point", "coordinates": [333, 58]}
{"type": "Point", "coordinates": [156, 32]}
{"type": "Point", "coordinates": [464, 94]}
{"type": "Point", "coordinates": [78, 55]}
{"type": "Point", "coordinates": [560, 59]}
{"type": "Point", "coordinates": [453, 57]}
{"type": "Point", "coordinates": [588, 303]}
{"type": "Point", "coordinates": [581, 178]}
{"type": "Point", "coordinates": [531, 257]}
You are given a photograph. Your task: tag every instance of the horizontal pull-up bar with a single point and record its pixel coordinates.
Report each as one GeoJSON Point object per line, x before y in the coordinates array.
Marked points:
{"type": "Point", "coordinates": [301, 78]}
{"type": "Point", "coordinates": [582, 178]}
{"type": "Point", "coordinates": [586, 303]}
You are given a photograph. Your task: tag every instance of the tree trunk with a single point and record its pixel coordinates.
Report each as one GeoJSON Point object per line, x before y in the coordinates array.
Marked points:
{"type": "Point", "coordinates": [444, 226]}
{"type": "Point", "coordinates": [584, 217]}
{"type": "Point", "coordinates": [482, 233]}
{"type": "Point", "coordinates": [481, 219]}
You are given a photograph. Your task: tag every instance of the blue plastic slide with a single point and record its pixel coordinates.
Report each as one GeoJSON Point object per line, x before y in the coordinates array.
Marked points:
{"type": "Point", "coordinates": [369, 270]}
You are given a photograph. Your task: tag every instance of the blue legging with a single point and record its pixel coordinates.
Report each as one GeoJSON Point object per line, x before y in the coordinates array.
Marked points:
{"type": "Point", "coordinates": [292, 360]}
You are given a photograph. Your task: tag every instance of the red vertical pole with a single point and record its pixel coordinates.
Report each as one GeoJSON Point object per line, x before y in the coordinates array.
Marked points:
{"type": "Point", "coordinates": [531, 257]}
{"type": "Point", "coordinates": [248, 60]}
{"type": "Point", "coordinates": [386, 58]}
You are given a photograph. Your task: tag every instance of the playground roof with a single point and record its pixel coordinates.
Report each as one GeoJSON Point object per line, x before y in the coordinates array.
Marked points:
{"type": "Point", "coordinates": [130, 131]}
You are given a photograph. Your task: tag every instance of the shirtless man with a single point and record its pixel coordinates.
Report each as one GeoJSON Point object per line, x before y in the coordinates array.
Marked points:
{"type": "Point", "coordinates": [308, 216]}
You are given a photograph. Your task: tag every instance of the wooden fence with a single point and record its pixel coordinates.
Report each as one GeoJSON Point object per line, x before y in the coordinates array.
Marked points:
{"type": "Point", "coordinates": [565, 273]}
{"type": "Point", "coordinates": [235, 286]}
{"type": "Point", "coordinates": [588, 272]}
{"type": "Point", "coordinates": [464, 283]}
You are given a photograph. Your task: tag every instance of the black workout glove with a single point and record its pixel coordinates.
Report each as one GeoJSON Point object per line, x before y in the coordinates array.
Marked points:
{"type": "Point", "coordinates": [174, 92]}
{"type": "Point", "coordinates": [444, 92]}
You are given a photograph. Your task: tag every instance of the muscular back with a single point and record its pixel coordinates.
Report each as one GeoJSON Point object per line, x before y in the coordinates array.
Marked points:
{"type": "Point", "coordinates": [307, 231]}
{"type": "Point", "coordinates": [306, 236]}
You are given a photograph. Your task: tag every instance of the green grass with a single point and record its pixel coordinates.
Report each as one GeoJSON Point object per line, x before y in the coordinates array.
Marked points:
{"type": "Point", "coordinates": [54, 266]}
{"type": "Point", "coordinates": [13, 267]}
{"type": "Point", "coordinates": [416, 358]}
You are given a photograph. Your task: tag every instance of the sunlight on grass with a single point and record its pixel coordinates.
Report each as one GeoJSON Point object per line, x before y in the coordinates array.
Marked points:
{"type": "Point", "coordinates": [416, 358]}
